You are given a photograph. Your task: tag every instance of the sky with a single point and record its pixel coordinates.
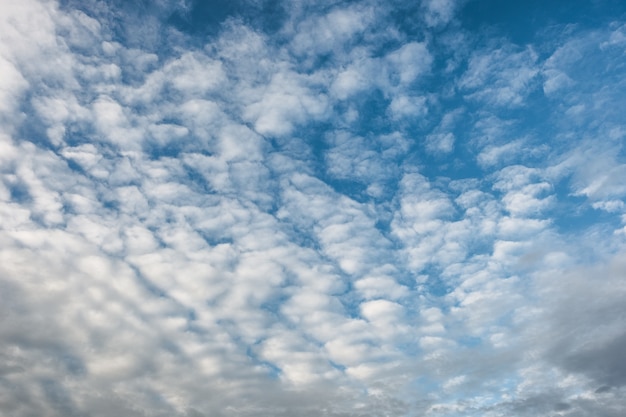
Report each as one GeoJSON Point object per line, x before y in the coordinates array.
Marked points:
{"type": "Point", "coordinates": [307, 208]}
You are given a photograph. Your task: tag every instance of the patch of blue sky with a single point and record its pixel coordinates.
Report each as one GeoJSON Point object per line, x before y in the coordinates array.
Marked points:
{"type": "Point", "coordinates": [574, 213]}
{"type": "Point", "coordinates": [19, 193]}
{"type": "Point", "coordinates": [203, 18]}
{"type": "Point", "coordinates": [528, 22]}
{"type": "Point", "coordinates": [435, 285]}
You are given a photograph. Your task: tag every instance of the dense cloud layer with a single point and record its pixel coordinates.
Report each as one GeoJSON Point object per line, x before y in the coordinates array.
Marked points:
{"type": "Point", "coordinates": [311, 208]}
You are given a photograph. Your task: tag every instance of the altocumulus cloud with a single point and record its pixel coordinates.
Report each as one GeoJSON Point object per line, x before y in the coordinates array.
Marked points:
{"type": "Point", "coordinates": [312, 208]}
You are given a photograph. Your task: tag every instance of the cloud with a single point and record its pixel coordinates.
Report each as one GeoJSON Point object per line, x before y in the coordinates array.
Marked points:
{"type": "Point", "coordinates": [439, 12]}
{"type": "Point", "coordinates": [340, 214]}
{"type": "Point", "coordinates": [285, 102]}
{"type": "Point", "coordinates": [332, 32]}
{"type": "Point", "coordinates": [500, 77]}
{"type": "Point", "coordinates": [409, 61]}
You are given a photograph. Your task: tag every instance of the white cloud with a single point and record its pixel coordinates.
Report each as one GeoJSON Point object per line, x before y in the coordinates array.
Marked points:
{"type": "Point", "coordinates": [439, 12]}
{"type": "Point", "coordinates": [331, 32]}
{"type": "Point", "coordinates": [410, 61]}
{"type": "Point", "coordinates": [348, 82]}
{"type": "Point", "coordinates": [440, 143]}
{"type": "Point", "coordinates": [291, 222]}
{"type": "Point", "coordinates": [381, 287]}
{"type": "Point", "coordinates": [555, 80]}
{"type": "Point", "coordinates": [501, 77]}
{"type": "Point", "coordinates": [286, 101]}
{"type": "Point", "coordinates": [403, 106]}
{"type": "Point", "coordinates": [493, 155]}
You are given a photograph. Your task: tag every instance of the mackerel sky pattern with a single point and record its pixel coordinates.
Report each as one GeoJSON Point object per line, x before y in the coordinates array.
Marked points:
{"type": "Point", "coordinates": [312, 208]}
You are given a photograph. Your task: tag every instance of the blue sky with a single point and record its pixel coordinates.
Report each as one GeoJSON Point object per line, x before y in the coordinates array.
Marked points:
{"type": "Point", "coordinates": [312, 208]}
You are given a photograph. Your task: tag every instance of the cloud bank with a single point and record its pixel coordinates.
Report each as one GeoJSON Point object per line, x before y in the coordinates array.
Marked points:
{"type": "Point", "coordinates": [311, 209]}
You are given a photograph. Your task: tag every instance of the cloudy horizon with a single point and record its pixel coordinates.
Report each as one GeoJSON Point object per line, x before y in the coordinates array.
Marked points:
{"type": "Point", "coordinates": [312, 208]}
